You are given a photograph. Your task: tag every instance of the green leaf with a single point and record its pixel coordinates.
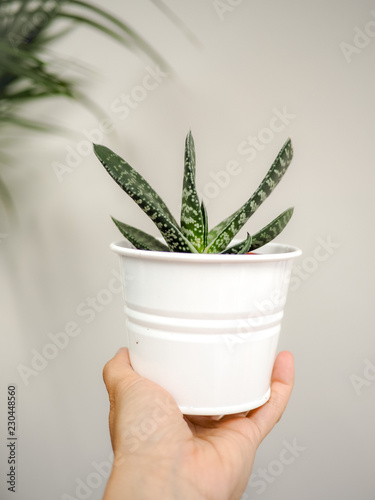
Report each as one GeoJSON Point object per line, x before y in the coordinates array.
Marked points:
{"type": "Point", "coordinates": [28, 124]}
{"type": "Point", "coordinates": [28, 69]}
{"type": "Point", "coordinates": [145, 197]}
{"type": "Point", "coordinates": [5, 195]}
{"type": "Point", "coordinates": [191, 215]}
{"type": "Point", "coordinates": [94, 24]}
{"type": "Point", "coordinates": [21, 63]}
{"type": "Point", "coordinates": [205, 223]}
{"type": "Point", "coordinates": [132, 182]}
{"type": "Point", "coordinates": [273, 229]}
{"type": "Point", "coordinates": [221, 235]}
{"type": "Point", "coordinates": [240, 248]}
{"type": "Point", "coordinates": [45, 39]}
{"type": "Point", "coordinates": [26, 20]}
{"type": "Point", "coordinates": [133, 38]}
{"type": "Point", "coordinates": [140, 239]}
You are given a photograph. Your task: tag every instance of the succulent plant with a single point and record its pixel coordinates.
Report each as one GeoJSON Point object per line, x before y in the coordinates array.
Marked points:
{"type": "Point", "coordinates": [192, 234]}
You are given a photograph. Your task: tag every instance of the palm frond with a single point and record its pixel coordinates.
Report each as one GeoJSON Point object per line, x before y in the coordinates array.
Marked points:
{"type": "Point", "coordinates": [27, 72]}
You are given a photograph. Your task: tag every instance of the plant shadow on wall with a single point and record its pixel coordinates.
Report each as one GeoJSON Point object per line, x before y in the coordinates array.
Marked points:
{"type": "Point", "coordinates": [29, 71]}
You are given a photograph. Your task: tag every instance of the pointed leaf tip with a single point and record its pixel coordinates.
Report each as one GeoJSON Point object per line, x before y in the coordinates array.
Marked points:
{"type": "Point", "coordinates": [192, 223]}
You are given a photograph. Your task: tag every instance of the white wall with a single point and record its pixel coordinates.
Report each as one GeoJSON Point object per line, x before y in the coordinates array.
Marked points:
{"type": "Point", "coordinates": [256, 57]}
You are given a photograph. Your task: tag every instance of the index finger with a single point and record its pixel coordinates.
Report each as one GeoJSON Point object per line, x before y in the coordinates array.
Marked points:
{"type": "Point", "coordinates": [282, 381]}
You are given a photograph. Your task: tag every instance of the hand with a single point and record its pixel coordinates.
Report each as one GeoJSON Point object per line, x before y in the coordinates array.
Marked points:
{"type": "Point", "coordinates": [161, 454]}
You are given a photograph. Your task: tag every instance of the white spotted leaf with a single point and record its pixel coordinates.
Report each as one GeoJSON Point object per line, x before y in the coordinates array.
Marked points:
{"type": "Point", "coordinates": [271, 230]}
{"type": "Point", "coordinates": [145, 197]}
{"type": "Point", "coordinates": [240, 248]}
{"type": "Point", "coordinates": [140, 239]}
{"type": "Point", "coordinates": [192, 225]}
{"type": "Point", "coordinates": [221, 235]}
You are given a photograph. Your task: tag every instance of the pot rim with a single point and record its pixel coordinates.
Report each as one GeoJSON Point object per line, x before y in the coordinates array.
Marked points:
{"type": "Point", "coordinates": [269, 252]}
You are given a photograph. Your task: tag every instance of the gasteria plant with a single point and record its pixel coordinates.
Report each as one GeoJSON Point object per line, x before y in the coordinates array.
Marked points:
{"type": "Point", "coordinates": [192, 234]}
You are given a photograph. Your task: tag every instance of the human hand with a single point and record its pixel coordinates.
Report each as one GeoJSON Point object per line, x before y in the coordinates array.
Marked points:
{"type": "Point", "coordinates": [159, 453]}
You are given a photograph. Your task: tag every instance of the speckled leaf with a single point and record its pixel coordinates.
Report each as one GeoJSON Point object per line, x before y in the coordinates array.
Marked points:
{"type": "Point", "coordinates": [239, 248]}
{"type": "Point", "coordinates": [221, 235]}
{"type": "Point", "coordinates": [191, 215]}
{"type": "Point", "coordinates": [273, 229]}
{"type": "Point", "coordinates": [145, 197]}
{"type": "Point", "coordinates": [140, 239]}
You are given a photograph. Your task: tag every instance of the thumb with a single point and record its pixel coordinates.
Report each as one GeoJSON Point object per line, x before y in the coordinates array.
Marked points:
{"type": "Point", "coordinates": [118, 370]}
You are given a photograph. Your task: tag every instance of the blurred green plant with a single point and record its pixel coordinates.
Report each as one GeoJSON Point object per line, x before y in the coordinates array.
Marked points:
{"type": "Point", "coordinates": [29, 72]}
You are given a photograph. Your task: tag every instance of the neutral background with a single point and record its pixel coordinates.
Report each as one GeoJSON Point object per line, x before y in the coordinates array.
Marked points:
{"type": "Point", "coordinates": [255, 57]}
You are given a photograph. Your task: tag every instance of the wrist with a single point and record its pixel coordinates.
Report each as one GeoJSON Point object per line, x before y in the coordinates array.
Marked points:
{"type": "Point", "coordinates": [148, 482]}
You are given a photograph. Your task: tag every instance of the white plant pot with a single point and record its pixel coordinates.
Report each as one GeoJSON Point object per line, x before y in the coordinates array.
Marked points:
{"type": "Point", "coordinates": [206, 327]}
